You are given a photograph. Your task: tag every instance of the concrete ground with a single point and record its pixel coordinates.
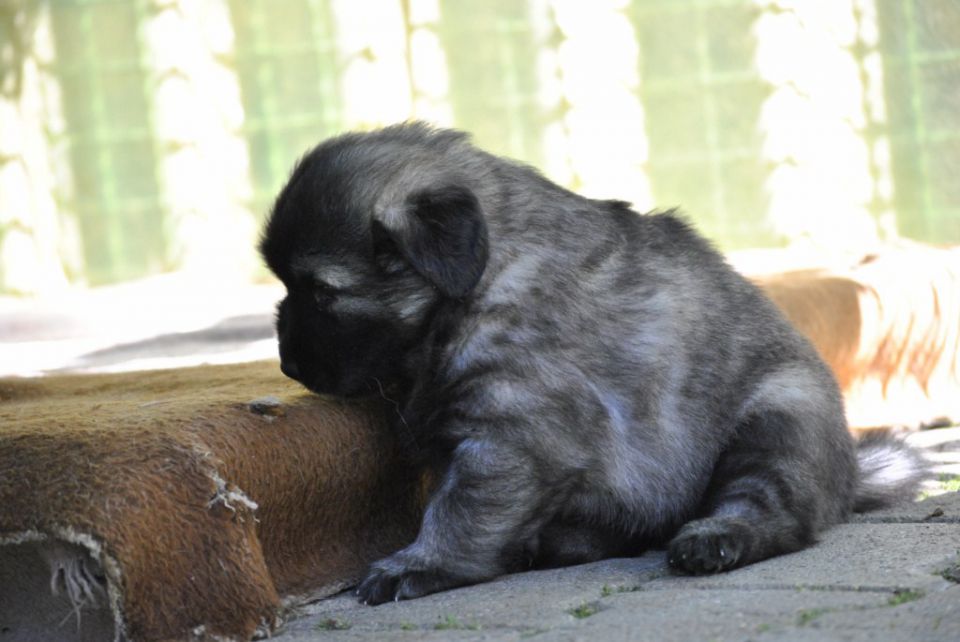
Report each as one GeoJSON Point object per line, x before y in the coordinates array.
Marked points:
{"type": "Point", "coordinates": [888, 575]}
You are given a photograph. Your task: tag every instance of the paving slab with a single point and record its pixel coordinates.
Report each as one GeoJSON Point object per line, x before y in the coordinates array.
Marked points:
{"type": "Point", "coordinates": [725, 615]}
{"type": "Point", "coordinates": [518, 603]}
{"type": "Point", "coordinates": [896, 578]}
{"type": "Point", "coordinates": [930, 617]}
{"type": "Point", "coordinates": [943, 507]}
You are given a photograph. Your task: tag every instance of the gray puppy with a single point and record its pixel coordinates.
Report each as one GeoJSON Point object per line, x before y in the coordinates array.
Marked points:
{"type": "Point", "coordinates": [586, 381]}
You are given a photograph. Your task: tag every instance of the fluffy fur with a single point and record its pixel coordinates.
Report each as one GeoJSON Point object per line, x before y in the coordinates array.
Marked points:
{"type": "Point", "coordinates": [586, 381]}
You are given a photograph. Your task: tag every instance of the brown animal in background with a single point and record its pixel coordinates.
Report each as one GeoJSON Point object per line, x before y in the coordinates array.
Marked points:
{"type": "Point", "coordinates": [200, 511]}
{"type": "Point", "coordinates": [889, 328]}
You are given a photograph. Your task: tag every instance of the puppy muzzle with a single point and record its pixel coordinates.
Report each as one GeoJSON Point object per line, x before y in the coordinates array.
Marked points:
{"type": "Point", "coordinates": [289, 368]}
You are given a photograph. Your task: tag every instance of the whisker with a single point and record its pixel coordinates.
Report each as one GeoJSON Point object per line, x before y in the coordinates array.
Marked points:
{"type": "Point", "coordinates": [395, 403]}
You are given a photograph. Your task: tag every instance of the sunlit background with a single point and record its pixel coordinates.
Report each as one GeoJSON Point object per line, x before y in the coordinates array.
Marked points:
{"type": "Point", "coordinates": [139, 137]}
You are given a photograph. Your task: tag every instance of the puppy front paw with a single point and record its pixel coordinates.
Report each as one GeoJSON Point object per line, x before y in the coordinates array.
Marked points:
{"type": "Point", "coordinates": [377, 587]}
{"type": "Point", "coordinates": [392, 580]}
{"type": "Point", "coordinates": [709, 546]}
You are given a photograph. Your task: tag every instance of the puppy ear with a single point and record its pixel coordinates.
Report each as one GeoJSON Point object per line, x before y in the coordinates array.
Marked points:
{"type": "Point", "coordinates": [442, 233]}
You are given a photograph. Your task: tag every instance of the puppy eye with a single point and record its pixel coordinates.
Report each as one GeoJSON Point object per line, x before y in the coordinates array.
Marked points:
{"type": "Point", "coordinates": [385, 252]}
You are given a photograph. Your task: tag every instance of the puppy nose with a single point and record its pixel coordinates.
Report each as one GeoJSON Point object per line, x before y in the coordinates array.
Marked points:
{"type": "Point", "coordinates": [289, 368]}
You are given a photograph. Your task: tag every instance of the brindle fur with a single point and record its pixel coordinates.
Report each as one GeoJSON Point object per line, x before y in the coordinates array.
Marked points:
{"type": "Point", "coordinates": [587, 381]}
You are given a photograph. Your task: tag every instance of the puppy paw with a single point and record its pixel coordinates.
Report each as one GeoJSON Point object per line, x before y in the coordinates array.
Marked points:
{"type": "Point", "coordinates": [390, 580]}
{"type": "Point", "coordinates": [377, 587]}
{"type": "Point", "coordinates": [709, 546]}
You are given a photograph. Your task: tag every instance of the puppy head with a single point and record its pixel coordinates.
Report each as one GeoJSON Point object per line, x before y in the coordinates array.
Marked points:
{"type": "Point", "coordinates": [368, 239]}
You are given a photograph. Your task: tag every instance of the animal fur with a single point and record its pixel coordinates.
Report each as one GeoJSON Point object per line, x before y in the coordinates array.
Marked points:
{"type": "Point", "coordinates": [200, 511]}
{"type": "Point", "coordinates": [889, 328]}
{"type": "Point", "coordinates": [585, 381]}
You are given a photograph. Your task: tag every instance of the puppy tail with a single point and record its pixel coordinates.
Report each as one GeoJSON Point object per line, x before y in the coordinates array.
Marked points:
{"type": "Point", "coordinates": [890, 472]}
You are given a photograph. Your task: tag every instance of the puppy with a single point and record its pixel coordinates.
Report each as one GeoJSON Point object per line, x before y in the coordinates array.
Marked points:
{"type": "Point", "coordinates": [586, 381]}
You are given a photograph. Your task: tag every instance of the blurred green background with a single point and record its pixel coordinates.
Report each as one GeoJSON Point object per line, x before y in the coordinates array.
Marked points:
{"type": "Point", "coordinates": [146, 136]}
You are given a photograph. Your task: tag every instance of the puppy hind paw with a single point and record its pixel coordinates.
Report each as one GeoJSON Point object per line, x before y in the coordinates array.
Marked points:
{"type": "Point", "coordinates": [708, 546]}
